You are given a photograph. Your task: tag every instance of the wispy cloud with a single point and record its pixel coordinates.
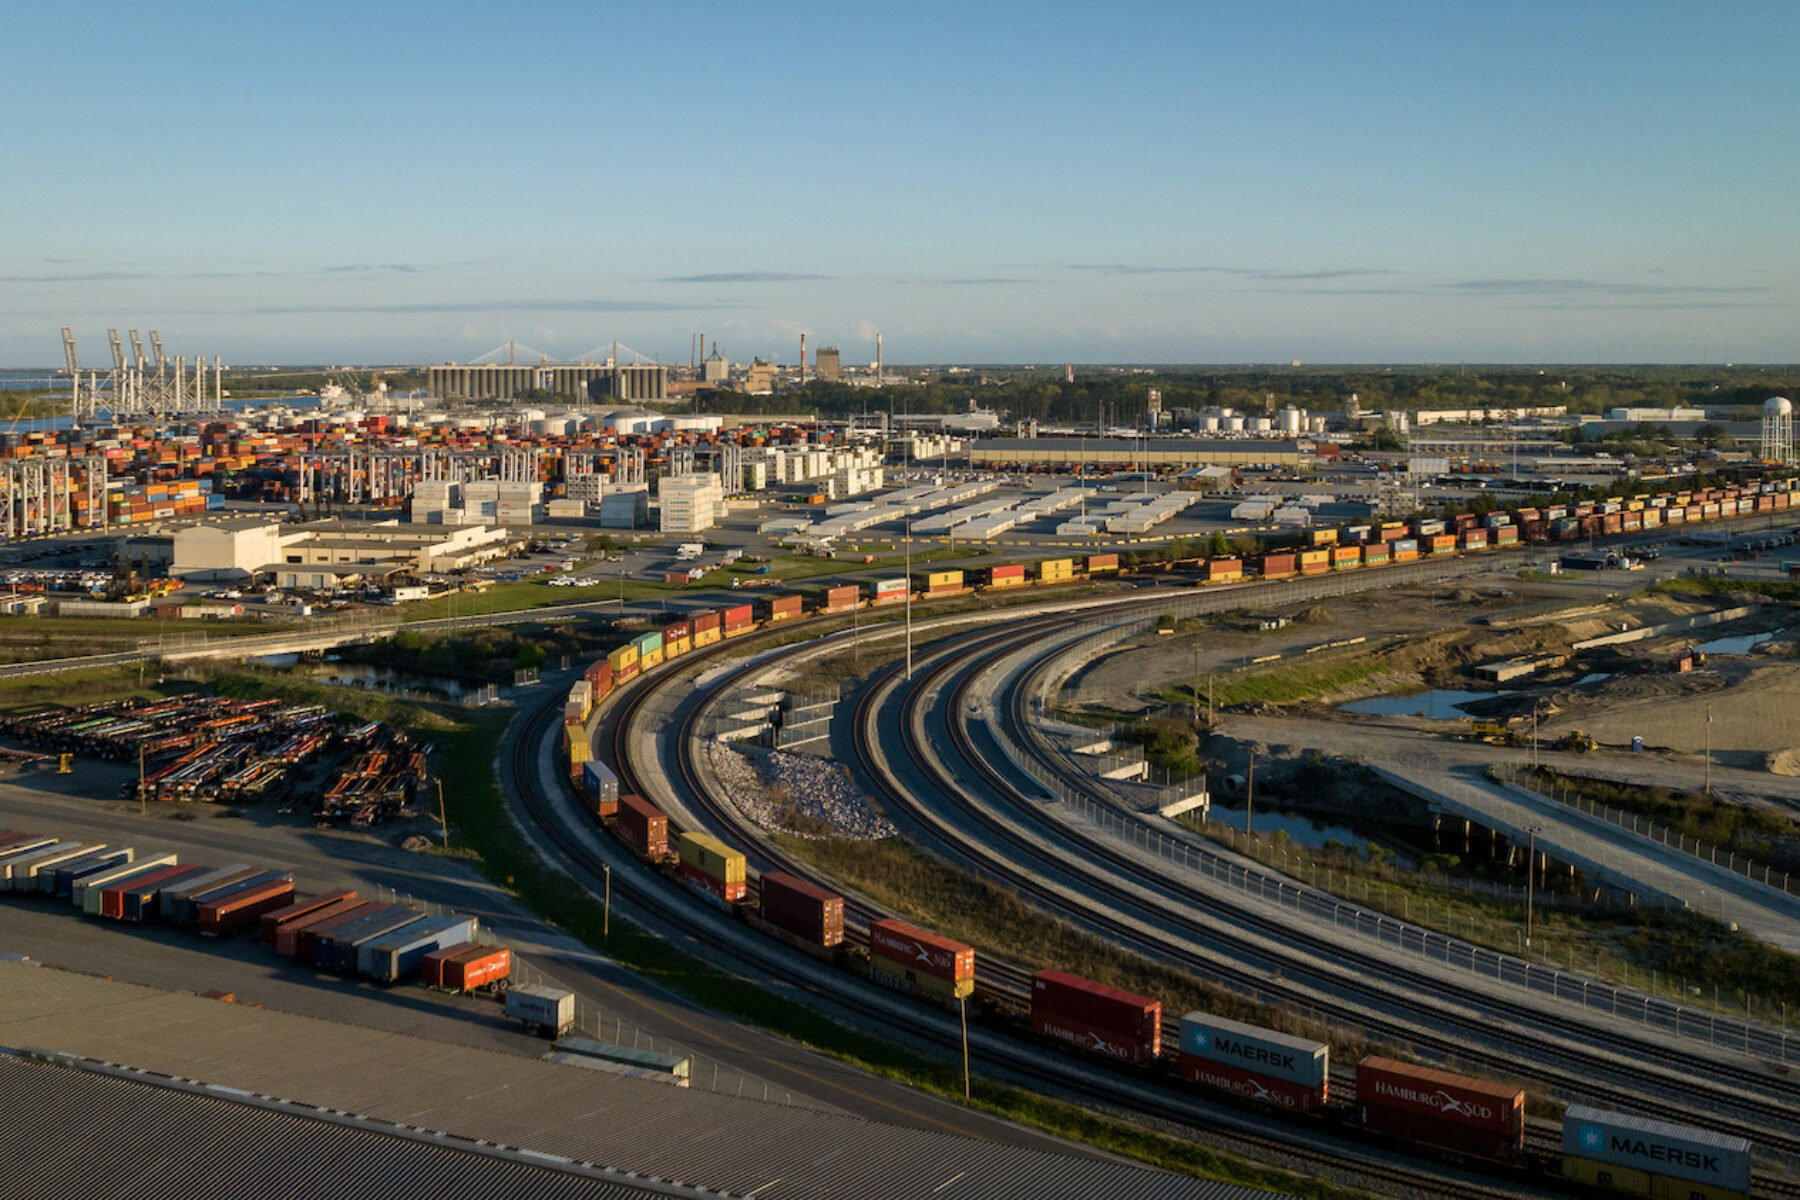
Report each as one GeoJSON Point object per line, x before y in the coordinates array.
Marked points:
{"type": "Point", "coordinates": [1574, 287]}
{"type": "Point", "coordinates": [1265, 273]}
{"type": "Point", "coordinates": [374, 269]}
{"type": "Point", "coordinates": [81, 277]}
{"type": "Point", "coordinates": [746, 277]}
{"type": "Point", "coordinates": [490, 306]}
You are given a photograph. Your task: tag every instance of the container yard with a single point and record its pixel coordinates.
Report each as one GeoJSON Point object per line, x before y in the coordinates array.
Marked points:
{"type": "Point", "coordinates": [337, 932]}
{"type": "Point", "coordinates": [205, 749]}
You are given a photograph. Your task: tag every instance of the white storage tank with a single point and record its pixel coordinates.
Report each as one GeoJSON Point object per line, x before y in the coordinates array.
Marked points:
{"type": "Point", "coordinates": [1234, 424]}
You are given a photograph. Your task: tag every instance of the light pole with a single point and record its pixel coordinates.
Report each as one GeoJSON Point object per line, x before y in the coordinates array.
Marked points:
{"type": "Point", "coordinates": [443, 822]}
{"type": "Point", "coordinates": [1709, 751]}
{"type": "Point", "coordinates": [909, 598]}
{"type": "Point", "coordinates": [606, 912]}
{"type": "Point", "coordinates": [1535, 706]}
{"type": "Point", "coordinates": [1531, 832]}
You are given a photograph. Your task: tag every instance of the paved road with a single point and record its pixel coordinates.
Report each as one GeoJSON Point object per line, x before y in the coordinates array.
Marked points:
{"type": "Point", "coordinates": [1455, 770]}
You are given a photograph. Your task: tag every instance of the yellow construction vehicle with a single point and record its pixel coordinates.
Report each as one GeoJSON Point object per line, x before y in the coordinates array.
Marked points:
{"type": "Point", "coordinates": [1576, 741]}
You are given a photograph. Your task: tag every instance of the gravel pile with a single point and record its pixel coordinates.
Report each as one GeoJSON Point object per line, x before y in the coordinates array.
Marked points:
{"type": "Point", "coordinates": [799, 795]}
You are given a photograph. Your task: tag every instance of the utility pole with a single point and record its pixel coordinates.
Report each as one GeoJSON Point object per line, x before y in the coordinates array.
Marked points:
{"type": "Point", "coordinates": [143, 808]}
{"type": "Point", "coordinates": [606, 912]}
{"type": "Point", "coordinates": [1709, 751]}
{"type": "Point", "coordinates": [1530, 878]}
{"type": "Point", "coordinates": [443, 822]}
{"type": "Point", "coordinates": [1250, 791]}
{"type": "Point", "coordinates": [962, 1003]}
{"type": "Point", "coordinates": [909, 599]}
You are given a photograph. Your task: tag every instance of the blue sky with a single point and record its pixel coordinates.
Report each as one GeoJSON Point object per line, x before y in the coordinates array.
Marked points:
{"type": "Point", "coordinates": [1208, 183]}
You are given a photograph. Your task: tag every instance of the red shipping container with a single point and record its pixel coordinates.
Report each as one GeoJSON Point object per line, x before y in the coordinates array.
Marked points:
{"type": "Point", "coordinates": [297, 939]}
{"type": "Point", "coordinates": [272, 922]}
{"type": "Point", "coordinates": [840, 599]}
{"type": "Point", "coordinates": [738, 616]}
{"type": "Point", "coordinates": [235, 914]}
{"type": "Point", "coordinates": [704, 621]}
{"type": "Point", "coordinates": [922, 950]}
{"type": "Point", "coordinates": [1009, 571]}
{"type": "Point", "coordinates": [695, 877]}
{"type": "Point", "coordinates": [642, 826]}
{"type": "Point", "coordinates": [465, 966]}
{"type": "Point", "coordinates": [1394, 1094]}
{"type": "Point", "coordinates": [1094, 1016]}
{"type": "Point", "coordinates": [1239, 1082]}
{"type": "Point", "coordinates": [679, 629]}
{"type": "Point", "coordinates": [802, 908]}
{"type": "Point", "coordinates": [112, 899]}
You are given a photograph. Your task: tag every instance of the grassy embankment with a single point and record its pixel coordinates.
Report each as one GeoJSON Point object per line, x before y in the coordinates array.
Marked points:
{"type": "Point", "coordinates": [1667, 952]}
{"type": "Point", "coordinates": [32, 639]}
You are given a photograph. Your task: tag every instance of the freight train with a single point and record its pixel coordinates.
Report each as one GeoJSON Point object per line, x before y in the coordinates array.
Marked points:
{"type": "Point", "coordinates": [1413, 1107]}
{"type": "Point", "coordinates": [339, 932]}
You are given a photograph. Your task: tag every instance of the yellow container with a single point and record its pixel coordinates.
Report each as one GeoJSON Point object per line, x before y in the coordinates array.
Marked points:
{"type": "Point", "coordinates": [900, 975]}
{"type": "Point", "coordinates": [709, 855]}
{"type": "Point", "coordinates": [1055, 570]}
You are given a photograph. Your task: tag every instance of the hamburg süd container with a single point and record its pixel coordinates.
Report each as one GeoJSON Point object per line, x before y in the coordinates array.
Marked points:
{"type": "Point", "coordinates": [1106, 1020]}
{"type": "Point", "coordinates": [801, 908]}
{"type": "Point", "coordinates": [546, 1011]}
{"type": "Point", "coordinates": [1425, 1104]}
{"type": "Point", "coordinates": [465, 968]}
{"type": "Point", "coordinates": [916, 960]}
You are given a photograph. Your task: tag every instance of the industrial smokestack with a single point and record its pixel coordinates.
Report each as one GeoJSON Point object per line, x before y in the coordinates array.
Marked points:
{"type": "Point", "coordinates": [803, 360]}
{"type": "Point", "coordinates": [878, 376]}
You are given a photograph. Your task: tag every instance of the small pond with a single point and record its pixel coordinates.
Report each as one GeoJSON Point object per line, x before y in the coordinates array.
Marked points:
{"type": "Point", "coordinates": [385, 679]}
{"type": "Point", "coordinates": [1440, 704]}
{"type": "Point", "coordinates": [1740, 644]}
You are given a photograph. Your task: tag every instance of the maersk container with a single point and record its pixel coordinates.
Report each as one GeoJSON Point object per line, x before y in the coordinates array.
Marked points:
{"type": "Point", "coordinates": [396, 955]}
{"type": "Point", "coordinates": [167, 899]}
{"type": "Point", "coordinates": [1657, 1147]}
{"type": "Point", "coordinates": [1264, 1051]}
{"type": "Point", "coordinates": [87, 892]}
{"type": "Point", "coordinates": [546, 1011]}
{"type": "Point", "coordinates": [676, 1065]}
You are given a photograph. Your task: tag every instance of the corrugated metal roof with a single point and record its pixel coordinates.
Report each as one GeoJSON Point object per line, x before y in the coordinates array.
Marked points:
{"type": "Point", "coordinates": [75, 1133]}
{"type": "Point", "coordinates": [700, 1138]}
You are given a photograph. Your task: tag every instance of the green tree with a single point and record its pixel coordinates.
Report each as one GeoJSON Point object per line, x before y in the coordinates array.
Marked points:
{"type": "Point", "coordinates": [1218, 546]}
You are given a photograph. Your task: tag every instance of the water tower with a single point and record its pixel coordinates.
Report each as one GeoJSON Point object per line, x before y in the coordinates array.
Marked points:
{"type": "Point", "coordinates": [1778, 430]}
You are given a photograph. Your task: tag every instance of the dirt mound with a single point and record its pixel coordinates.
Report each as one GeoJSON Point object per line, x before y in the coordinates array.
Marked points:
{"type": "Point", "coordinates": [1318, 614]}
{"type": "Point", "coordinates": [1783, 762]}
{"type": "Point", "coordinates": [417, 844]}
{"type": "Point", "coordinates": [1464, 596]}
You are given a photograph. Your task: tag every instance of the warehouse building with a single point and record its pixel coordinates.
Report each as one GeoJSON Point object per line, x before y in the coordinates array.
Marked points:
{"type": "Point", "coordinates": [376, 1098]}
{"type": "Point", "coordinates": [636, 383]}
{"type": "Point", "coordinates": [1124, 454]}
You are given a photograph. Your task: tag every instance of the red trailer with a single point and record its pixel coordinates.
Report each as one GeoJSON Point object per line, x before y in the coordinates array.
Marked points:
{"type": "Point", "coordinates": [803, 909]}
{"type": "Point", "coordinates": [1476, 1116]}
{"type": "Point", "coordinates": [1095, 1016]}
{"type": "Point", "coordinates": [240, 911]}
{"type": "Point", "coordinates": [300, 938]}
{"type": "Point", "coordinates": [642, 826]}
{"type": "Point", "coordinates": [272, 922]}
{"type": "Point", "coordinates": [465, 967]}
{"type": "Point", "coordinates": [112, 899]}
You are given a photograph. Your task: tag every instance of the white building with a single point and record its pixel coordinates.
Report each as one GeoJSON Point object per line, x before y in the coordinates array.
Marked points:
{"type": "Point", "coordinates": [227, 549]}
{"type": "Point", "coordinates": [691, 503]}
